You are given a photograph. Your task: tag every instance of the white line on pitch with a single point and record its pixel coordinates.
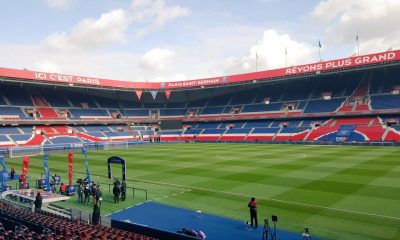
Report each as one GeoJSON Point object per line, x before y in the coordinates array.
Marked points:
{"type": "Point", "coordinates": [278, 200]}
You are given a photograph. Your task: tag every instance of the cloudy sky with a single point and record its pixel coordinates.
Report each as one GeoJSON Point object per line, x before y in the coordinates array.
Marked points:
{"type": "Point", "coordinates": [170, 40]}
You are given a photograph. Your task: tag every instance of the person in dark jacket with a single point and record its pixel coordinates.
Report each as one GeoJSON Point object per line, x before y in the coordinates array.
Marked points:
{"type": "Point", "coordinates": [123, 190]}
{"type": "Point", "coordinates": [12, 172]}
{"type": "Point", "coordinates": [96, 215]}
{"type": "Point", "coordinates": [253, 211]}
{"type": "Point", "coordinates": [86, 191]}
{"type": "Point", "coordinates": [116, 192]}
{"type": "Point", "coordinates": [38, 202]}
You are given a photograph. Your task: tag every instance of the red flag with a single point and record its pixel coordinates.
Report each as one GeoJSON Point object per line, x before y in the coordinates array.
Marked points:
{"type": "Point", "coordinates": [139, 93]}
{"type": "Point", "coordinates": [70, 165]}
{"type": "Point", "coordinates": [167, 93]}
{"type": "Point", "coordinates": [25, 166]}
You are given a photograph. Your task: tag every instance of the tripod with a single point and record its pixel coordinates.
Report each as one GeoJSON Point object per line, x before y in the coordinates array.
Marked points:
{"type": "Point", "coordinates": [266, 230]}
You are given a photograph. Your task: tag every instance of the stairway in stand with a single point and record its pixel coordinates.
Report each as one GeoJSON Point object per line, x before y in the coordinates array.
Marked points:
{"type": "Point", "coordinates": [43, 107]}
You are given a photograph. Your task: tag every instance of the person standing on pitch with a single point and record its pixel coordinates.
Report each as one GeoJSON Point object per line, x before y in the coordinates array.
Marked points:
{"type": "Point", "coordinates": [38, 202]}
{"type": "Point", "coordinates": [253, 212]}
{"type": "Point", "coordinates": [123, 190]}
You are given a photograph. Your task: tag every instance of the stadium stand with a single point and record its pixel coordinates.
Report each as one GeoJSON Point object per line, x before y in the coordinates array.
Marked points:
{"type": "Point", "coordinates": [299, 109]}
{"type": "Point", "coordinates": [18, 223]}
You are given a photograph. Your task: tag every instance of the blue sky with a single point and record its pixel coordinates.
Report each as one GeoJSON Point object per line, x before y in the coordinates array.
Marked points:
{"type": "Point", "coordinates": [169, 40]}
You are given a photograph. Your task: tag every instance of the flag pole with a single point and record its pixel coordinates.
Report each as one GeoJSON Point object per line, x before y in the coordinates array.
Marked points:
{"type": "Point", "coordinates": [286, 55]}
{"type": "Point", "coordinates": [256, 62]}
{"type": "Point", "coordinates": [358, 46]}
{"type": "Point", "coordinates": [319, 50]}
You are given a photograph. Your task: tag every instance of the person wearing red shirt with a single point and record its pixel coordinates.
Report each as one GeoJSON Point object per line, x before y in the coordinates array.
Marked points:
{"type": "Point", "coordinates": [253, 211]}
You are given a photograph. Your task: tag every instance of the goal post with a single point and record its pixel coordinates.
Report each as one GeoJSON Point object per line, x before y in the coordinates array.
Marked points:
{"type": "Point", "coordinates": [25, 151]}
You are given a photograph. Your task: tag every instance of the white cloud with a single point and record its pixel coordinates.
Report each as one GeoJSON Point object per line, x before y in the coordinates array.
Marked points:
{"type": "Point", "coordinates": [157, 59]}
{"type": "Point", "coordinates": [271, 54]}
{"type": "Point", "coordinates": [156, 13]}
{"type": "Point", "coordinates": [92, 33]}
{"type": "Point", "coordinates": [59, 4]}
{"type": "Point", "coordinates": [375, 22]}
{"type": "Point", "coordinates": [111, 27]}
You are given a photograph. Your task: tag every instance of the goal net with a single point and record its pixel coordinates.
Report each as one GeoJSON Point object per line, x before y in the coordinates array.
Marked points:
{"type": "Point", "coordinates": [25, 151]}
{"type": "Point", "coordinates": [115, 145]}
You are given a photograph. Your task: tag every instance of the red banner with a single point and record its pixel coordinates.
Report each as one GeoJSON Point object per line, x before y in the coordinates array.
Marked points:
{"type": "Point", "coordinates": [281, 72]}
{"type": "Point", "coordinates": [25, 166]}
{"type": "Point", "coordinates": [167, 93]}
{"type": "Point", "coordinates": [139, 94]}
{"type": "Point", "coordinates": [70, 165]}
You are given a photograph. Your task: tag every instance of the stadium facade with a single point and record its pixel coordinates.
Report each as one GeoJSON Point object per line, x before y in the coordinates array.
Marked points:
{"type": "Point", "coordinates": [354, 99]}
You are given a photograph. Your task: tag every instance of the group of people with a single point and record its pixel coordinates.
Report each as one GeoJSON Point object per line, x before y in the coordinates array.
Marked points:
{"type": "Point", "coordinates": [87, 190]}
{"type": "Point", "coordinates": [119, 190]}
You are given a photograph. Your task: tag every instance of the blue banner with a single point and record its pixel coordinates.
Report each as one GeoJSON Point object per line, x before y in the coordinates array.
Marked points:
{"type": "Point", "coordinates": [4, 172]}
{"type": "Point", "coordinates": [84, 152]}
{"type": "Point", "coordinates": [46, 171]}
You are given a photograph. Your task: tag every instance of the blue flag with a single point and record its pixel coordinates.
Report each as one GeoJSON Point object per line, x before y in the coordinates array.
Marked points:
{"type": "Point", "coordinates": [47, 172]}
{"type": "Point", "coordinates": [4, 172]}
{"type": "Point", "coordinates": [84, 152]}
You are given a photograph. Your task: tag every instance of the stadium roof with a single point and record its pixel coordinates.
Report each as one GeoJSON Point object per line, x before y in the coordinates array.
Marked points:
{"type": "Point", "coordinates": [8, 74]}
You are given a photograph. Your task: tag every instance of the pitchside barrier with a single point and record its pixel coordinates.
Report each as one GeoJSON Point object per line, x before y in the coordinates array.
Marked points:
{"type": "Point", "coordinates": [110, 187]}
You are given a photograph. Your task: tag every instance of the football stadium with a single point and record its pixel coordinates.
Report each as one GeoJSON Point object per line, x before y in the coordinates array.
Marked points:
{"type": "Point", "coordinates": [309, 149]}
{"type": "Point", "coordinates": [316, 145]}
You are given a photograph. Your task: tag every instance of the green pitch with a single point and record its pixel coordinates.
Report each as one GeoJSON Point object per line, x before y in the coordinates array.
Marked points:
{"type": "Point", "coordinates": [339, 192]}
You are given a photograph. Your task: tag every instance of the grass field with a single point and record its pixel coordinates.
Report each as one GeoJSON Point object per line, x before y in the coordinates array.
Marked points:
{"type": "Point", "coordinates": [339, 192]}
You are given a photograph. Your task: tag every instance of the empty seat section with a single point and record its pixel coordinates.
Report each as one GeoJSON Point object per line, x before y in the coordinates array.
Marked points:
{"type": "Point", "coordinates": [262, 107]}
{"type": "Point", "coordinates": [232, 124]}
{"type": "Point", "coordinates": [318, 133]}
{"type": "Point", "coordinates": [54, 97]}
{"type": "Point", "coordinates": [385, 102]}
{"type": "Point", "coordinates": [209, 125]}
{"type": "Point", "coordinates": [273, 92]}
{"type": "Point", "coordinates": [235, 134]}
{"type": "Point", "coordinates": [244, 97]}
{"type": "Point", "coordinates": [170, 135]}
{"type": "Point", "coordinates": [80, 100]}
{"type": "Point", "coordinates": [298, 90]}
{"type": "Point", "coordinates": [2, 101]}
{"type": "Point", "coordinates": [220, 100]}
{"type": "Point", "coordinates": [176, 105]}
{"type": "Point", "coordinates": [258, 124]}
{"type": "Point", "coordinates": [130, 104]}
{"type": "Point", "coordinates": [317, 106]}
{"type": "Point", "coordinates": [292, 134]}
{"type": "Point", "coordinates": [64, 140]}
{"type": "Point", "coordinates": [393, 134]}
{"type": "Point", "coordinates": [9, 130]}
{"type": "Point", "coordinates": [172, 112]}
{"type": "Point", "coordinates": [12, 112]}
{"type": "Point", "coordinates": [198, 103]}
{"type": "Point", "coordinates": [210, 134]}
{"type": "Point", "coordinates": [89, 113]}
{"type": "Point", "coordinates": [153, 105]}
{"type": "Point", "coordinates": [291, 123]}
{"type": "Point", "coordinates": [355, 121]}
{"type": "Point", "coordinates": [96, 128]}
{"type": "Point", "coordinates": [373, 133]}
{"type": "Point", "coordinates": [21, 138]}
{"type": "Point", "coordinates": [212, 110]}
{"type": "Point", "coordinates": [107, 102]}
{"type": "Point", "coordinates": [262, 134]}
{"type": "Point", "coordinates": [136, 113]}
{"type": "Point", "coordinates": [18, 96]}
